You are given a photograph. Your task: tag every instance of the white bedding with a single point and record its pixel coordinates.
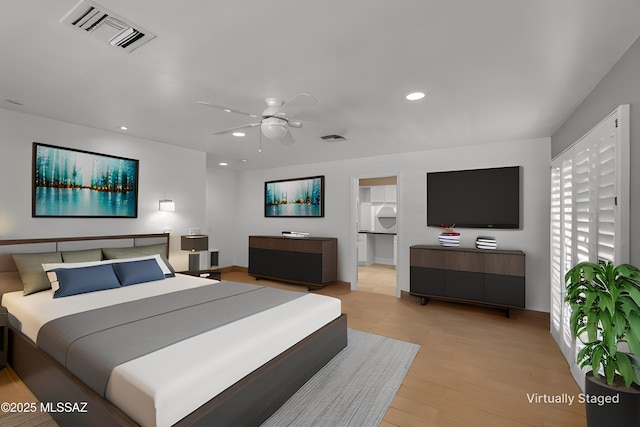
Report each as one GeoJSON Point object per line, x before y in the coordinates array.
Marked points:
{"type": "Point", "coordinates": [161, 388]}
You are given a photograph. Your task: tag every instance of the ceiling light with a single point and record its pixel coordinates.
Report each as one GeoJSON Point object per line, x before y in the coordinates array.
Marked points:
{"type": "Point", "coordinates": [274, 128]}
{"type": "Point", "coordinates": [244, 160]}
{"type": "Point", "coordinates": [223, 163]}
{"type": "Point", "coordinates": [226, 110]}
{"type": "Point", "coordinates": [238, 134]}
{"type": "Point", "coordinates": [123, 128]}
{"type": "Point", "coordinates": [414, 96]}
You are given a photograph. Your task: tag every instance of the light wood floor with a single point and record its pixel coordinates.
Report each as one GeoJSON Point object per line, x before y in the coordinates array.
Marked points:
{"type": "Point", "coordinates": [475, 367]}
{"type": "Point", "coordinates": [378, 278]}
{"type": "Point", "coordinates": [13, 390]}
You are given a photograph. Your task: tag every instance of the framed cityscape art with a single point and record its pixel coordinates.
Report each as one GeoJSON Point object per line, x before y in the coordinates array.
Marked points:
{"type": "Point", "coordinates": [299, 197]}
{"type": "Point", "coordinates": [74, 183]}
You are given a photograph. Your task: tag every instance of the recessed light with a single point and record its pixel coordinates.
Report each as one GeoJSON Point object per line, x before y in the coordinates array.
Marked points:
{"type": "Point", "coordinates": [226, 110]}
{"type": "Point", "coordinates": [244, 160]}
{"type": "Point", "coordinates": [223, 163]}
{"type": "Point", "coordinates": [238, 134]}
{"type": "Point", "coordinates": [414, 96]}
{"type": "Point", "coordinates": [123, 128]}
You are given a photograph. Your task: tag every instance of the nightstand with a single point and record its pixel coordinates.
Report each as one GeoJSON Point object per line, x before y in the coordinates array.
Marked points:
{"type": "Point", "coordinates": [4, 336]}
{"type": "Point", "coordinates": [207, 274]}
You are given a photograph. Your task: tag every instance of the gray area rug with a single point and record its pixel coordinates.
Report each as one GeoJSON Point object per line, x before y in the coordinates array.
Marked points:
{"type": "Point", "coordinates": [354, 389]}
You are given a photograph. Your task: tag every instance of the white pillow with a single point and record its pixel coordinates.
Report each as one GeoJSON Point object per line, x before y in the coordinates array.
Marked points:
{"type": "Point", "coordinates": [53, 277]}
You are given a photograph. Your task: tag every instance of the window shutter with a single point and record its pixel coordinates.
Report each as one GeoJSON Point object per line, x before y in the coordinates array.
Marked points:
{"type": "Point", "coordinates": [582, 200]}
{"type": "Point", "coordinates": [589, 184]}
{"type": "Point", "coordinates": [556, 254]}
{"type": "Point", "coordinates": [606, 184]}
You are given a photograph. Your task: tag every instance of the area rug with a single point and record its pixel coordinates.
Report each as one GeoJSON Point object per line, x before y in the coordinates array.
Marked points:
{"type": "Point", "coordinates": [354, 389]}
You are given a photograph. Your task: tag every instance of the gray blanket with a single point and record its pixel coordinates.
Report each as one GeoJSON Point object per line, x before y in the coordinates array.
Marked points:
{"type": "Point", "coordinates": [90, 344]}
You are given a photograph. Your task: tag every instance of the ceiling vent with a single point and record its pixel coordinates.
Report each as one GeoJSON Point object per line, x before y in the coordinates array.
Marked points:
{"type": "Point", "coordinates": [107, 26]}
{"type": "Point", "coordinates": [333, 138]}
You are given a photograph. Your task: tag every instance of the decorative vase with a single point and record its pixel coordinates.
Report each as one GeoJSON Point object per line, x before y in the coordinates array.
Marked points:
{"type": "Point", "coordinates": [609, 405]}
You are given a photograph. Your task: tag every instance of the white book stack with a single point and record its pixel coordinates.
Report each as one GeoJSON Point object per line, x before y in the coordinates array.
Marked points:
{"type": "Point", "coordinates": [298, 234]}
{"type": "Point", "coordinates": [486, 242]}
{"type": "Point", "coordinates": [450, 238]}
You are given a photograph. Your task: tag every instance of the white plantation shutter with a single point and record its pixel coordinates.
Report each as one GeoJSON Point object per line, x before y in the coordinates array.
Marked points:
{"type": "Point", "coordinates": [606, 203]}
{"type": "Point", "coordinates": [583, 201]}
{"type": "Point", "coordinates": [556, 254]}
{"type": "Point", "coordinates": [567, 227]}
{"type": "Point", "coordinates": [589, 214]}
{"type": "Point", "coordinates": [567, 213]}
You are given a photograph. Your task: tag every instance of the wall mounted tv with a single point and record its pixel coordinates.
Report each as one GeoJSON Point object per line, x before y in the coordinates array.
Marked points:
{"type": "Point", "coordinates": [478, 198]}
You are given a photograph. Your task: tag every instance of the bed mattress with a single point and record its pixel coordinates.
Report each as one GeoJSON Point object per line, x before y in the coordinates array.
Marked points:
{"type": "Point", "coordinates": [162, 387]}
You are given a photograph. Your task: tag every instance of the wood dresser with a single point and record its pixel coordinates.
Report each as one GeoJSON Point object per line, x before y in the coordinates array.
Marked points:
{"type": "Point", "coordinates": [488, 277]}
{"type": "Point", "coordinates": [311, 261]}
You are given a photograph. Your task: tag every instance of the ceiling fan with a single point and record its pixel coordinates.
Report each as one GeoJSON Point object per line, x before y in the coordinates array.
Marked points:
{"type": "Point", "coordinates": [275, 120]}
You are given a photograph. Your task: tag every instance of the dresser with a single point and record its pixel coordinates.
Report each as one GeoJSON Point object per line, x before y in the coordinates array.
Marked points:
{"type": "Point", "coordinates": [311, 261]}
{"type": "Point", "coordinates": [488, 277]}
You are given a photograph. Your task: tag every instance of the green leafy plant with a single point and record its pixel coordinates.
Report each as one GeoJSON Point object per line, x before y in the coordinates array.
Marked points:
{"type": "Point", "coordinates": [605, 304]}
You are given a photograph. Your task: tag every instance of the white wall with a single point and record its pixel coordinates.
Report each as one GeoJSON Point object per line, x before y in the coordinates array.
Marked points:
{"type": "Point", "coordinates": [411, 168]}
{"type": "Point", "coordinates": [619, 86]}
{"type": "Point", "coordinates": [165, 171]}
{"type": "Point", "coordinates": [221, 214]}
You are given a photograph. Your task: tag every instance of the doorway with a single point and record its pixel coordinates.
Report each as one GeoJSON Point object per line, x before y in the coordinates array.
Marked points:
{"type": "Point", "coordinates": [376, 227]}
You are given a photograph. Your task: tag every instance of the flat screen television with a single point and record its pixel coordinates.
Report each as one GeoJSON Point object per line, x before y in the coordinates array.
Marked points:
{"type": "Point", "coordinates": [477, 198]}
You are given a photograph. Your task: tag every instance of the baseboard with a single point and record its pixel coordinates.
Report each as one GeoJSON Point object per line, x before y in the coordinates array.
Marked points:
{"type": "Point", "coordinates": [233, 268]}
{"type": "Point", "coordinates": [406, 296]}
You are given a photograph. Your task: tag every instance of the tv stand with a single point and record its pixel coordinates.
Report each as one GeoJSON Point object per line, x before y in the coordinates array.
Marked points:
{"type": "Point", "coordinates": [479, 276]}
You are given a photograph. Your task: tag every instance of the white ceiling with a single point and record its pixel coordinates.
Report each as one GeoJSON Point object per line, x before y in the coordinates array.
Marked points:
{"type": "Point", "coordinates": [493, 70]}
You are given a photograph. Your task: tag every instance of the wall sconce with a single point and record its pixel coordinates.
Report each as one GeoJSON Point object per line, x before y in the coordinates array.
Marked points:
{"type": "Point", "coordinates": [167, 205]}
{"type": "Point", "coordinates": [194, 243]}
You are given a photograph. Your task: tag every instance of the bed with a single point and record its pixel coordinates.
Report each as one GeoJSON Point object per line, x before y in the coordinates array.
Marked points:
{"type": "Point", "coordinates": [237, 370]}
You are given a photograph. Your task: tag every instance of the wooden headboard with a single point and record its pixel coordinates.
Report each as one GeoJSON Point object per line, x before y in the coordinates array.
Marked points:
{"type": "Point", "coordinates": [9, 277]}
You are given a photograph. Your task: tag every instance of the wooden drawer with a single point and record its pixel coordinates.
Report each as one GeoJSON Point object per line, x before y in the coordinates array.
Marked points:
{"type": "Point", "coordinates": [288, 244]}
{"type": "Point", "coordinates": [504, 264]}
{"type": "Point", "coordinates": [426, 258]}
{"type": "Point", "coordinates": [504, 290]}
{"type": "Point", "coordinates": [427, 281]}
{"type": "Point", "coordinates": [464, 261]}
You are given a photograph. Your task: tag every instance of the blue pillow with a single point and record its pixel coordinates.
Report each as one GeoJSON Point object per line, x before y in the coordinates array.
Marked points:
{"type": "Point", "coordinates": [132, 272]}
{"type": "Point", "coordinates": [81, 280]}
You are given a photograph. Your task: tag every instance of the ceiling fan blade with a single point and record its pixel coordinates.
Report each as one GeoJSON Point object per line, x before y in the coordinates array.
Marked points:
{"type": "Point", "coordinates": [294, 123]}
{"type": "Point", "coordinates": [235, 128]}
{"type": "Point", "coordinates": [226, 109]}
{"type": "Point", "coordinates": [288, 139]}
{"type": "Point", "coordinates": [297, 104]}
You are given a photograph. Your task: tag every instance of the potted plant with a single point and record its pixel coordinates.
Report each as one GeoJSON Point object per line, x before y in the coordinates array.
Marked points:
{"type": "Point", "coordinates": [605, 305]}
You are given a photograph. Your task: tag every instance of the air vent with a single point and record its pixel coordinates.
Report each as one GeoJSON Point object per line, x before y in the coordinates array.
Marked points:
{"type": "Point", "coordinates": [107, 26]}
{"type": "Point", "coordinates": [333, 138]}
